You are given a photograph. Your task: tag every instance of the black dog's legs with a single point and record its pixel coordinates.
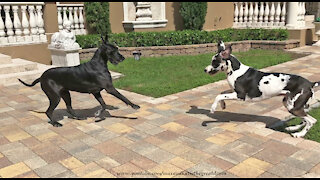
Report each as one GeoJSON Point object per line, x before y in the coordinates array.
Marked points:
{"type": "Point", "coordinates": [101, 101]}
{"type": "Point", "coordinates": [67, 99]}
{"type": "Point", "coordinates": [115, 93]}
{"type": "Point", "coordinates": [54, 101]}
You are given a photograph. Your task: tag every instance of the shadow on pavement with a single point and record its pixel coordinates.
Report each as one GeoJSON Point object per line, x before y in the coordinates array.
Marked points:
{"type": "Point", "coordinates": [220, 116]}
{"type": "Point", "coordinates": [58, 114]}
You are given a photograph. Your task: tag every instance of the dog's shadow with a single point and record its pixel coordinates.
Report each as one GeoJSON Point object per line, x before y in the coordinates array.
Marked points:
{"type": "Point", "coordinates": [221, 116]}
{"type": "Point", "coordinates": [84, 114]}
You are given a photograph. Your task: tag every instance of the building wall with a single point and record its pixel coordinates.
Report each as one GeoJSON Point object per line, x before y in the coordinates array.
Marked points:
{"type": "Point", "coordinates": [218, 17]}
{"type": "Point", "coordinates": [50, 17]}
{"type": "Point", "coordinates": [116, 16]}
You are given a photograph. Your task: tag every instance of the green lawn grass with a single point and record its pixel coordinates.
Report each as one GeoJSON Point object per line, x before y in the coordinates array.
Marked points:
{"type": "Point", "coordinates": [160, 76]}
{"type": "Point", "coordinates": [314, 133]}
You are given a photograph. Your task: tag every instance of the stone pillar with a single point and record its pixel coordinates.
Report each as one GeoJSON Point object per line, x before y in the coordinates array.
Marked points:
{"type": "Point", "coordinates": [292, 15]}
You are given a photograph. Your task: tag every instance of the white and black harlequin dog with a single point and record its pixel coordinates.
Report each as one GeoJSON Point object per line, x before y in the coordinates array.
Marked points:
{"type": "Point", "coordinates": [249, 84]}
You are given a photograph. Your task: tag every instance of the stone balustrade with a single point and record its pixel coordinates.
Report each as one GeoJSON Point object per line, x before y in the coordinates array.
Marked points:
{"type": "Point", "coordinates": [21, 23]}
{"type": "Point", "coordinates": [269, 14]}
{"type": "Point", "coordinates": [73, 13]}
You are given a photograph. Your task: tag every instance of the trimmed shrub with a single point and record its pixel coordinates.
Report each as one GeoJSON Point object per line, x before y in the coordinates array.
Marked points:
{"type": "Point", "coordinates": [97, 17]}
{"type": "Point", "coordinates": [185, 37]}
{"type": "Point", "coordinates": [193, 14]}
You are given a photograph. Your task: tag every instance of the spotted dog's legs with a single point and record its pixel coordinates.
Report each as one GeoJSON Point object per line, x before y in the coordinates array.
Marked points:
{"type": "Point", "coordinates": [310, 121]}
{"type": "Point", "coordinates": [295, 104]}
{"type": "Point", "coordinates": [222, 103]}
{"type": "Point", "coordinates": [296, 127]}
{"type": "Point", "coordinates": [222, 97]}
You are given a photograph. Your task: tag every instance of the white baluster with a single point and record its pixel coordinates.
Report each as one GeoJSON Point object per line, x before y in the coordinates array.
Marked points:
{"type": "Point", "coordinates": [3, 38]}
{"type": "Point", "coordinates": [299, 14]}
{"type": "Point", "coordinates": [283, 15]}
{"type": "Point", "coordinates": [241, 14]}
{"type": "Point", "coordinates": [81, 21]}
{"type": "Point", "coordinates": [277, 17]}
{"type": "Point", "coordinates": [17, 24]}
{"type": "Point", "coordinates": [246, 13]}
{"type": "Point", "coordinates": [255, 14]}
{"type": "Point", "coordinates": [60, 19]}
{"type": "Point", "coordinates": [236, 14]}
{"type": "Point", "coordinates": [76, 21]}
{"type": "Point", "coordinates": [266, 15]}
{"type": "Point", "coordinates": [65, 18]}
{"type": "Point", "coordinates": [71, 18]}
{"type": "Point", "coordinates": [9, 25]}
{"type": "Point", "coordinates": [25, 24]}
{"type": "Point", "coordinates": [261, 13]}
{"type": "Point", "coordinates": [272, 13]}
{"type": "Point", "coordinates": [40, 23]}
{"type": "Point", "coordinates": [250, 14]}
{"type": "Point", "coordinates": [303, 12]}
{"type": "Point", "coordinates": [33, 24]}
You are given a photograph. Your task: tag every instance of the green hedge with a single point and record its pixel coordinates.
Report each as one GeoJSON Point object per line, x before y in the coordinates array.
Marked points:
{"type": "Point", "coordinates": [97, 17]}
{"type": "Point", "coordinates": [193, 14]}
{"type": "Point", "coordinates": [185, 37]}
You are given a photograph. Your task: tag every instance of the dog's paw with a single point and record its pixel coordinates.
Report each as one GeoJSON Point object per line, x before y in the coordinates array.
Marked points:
{"type": "Point", "coordinates": [97, 114]}
{"type": "Point", "coordinates": [135, 106]}
{"type": "Point", "coordinates": [213, 108]}
{"type": "Point", "coordinates": [297, 135]}
{"type": "Point", "coordinates": [292, 128]}
{"type": "Point", "coordinates": [55, 124]}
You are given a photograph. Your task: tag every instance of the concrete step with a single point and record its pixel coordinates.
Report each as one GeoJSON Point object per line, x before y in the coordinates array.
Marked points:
{"type": "Point", "coordinates": [27, 76]}
{"type": "Point", "coordinates": [17, 65]}
{"type": "Point", "coordinates": [5, 59]}
{"type": "Point", "coordinates": [28, 71]}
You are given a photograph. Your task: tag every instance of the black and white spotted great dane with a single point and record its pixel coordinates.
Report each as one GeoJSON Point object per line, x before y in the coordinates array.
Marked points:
{"type": "Point", "coordinates": [249, 84]}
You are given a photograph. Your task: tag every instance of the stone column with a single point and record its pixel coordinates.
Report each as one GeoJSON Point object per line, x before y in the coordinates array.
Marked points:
{"type": "Point", "coordinates": [292, 15]}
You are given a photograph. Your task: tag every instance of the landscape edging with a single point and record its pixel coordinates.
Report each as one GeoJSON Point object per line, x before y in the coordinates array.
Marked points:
{"type": "Point", "coordinates": [237, 46]}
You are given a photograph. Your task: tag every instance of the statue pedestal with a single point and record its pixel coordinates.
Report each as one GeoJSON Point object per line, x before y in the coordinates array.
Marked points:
{"type": "Point", "coordinates": [65, 57]}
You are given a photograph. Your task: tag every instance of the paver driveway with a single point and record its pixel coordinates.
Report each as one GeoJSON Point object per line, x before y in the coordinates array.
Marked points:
{"type": "Point", "coordinates": [166, 140]}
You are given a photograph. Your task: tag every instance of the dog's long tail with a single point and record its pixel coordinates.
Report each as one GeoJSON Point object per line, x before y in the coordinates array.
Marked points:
{"type": "Point", "coordinates": [30, 85]}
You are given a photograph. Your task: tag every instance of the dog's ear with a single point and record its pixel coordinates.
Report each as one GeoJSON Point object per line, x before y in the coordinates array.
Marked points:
{"type": "Point", "coordinates": [226, 53]}
{"type": "Point", "coordinates": [221, 46]}
{"type": "Point", "coordinates": [106, 39]}
{"type": "Point", "coordinates": [102, 39]}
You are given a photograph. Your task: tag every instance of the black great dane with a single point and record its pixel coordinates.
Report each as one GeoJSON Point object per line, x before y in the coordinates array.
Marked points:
{"type": "Point", "coordinates": [249, 84]}
{"type": "Point", "coordinates": [90, 77]}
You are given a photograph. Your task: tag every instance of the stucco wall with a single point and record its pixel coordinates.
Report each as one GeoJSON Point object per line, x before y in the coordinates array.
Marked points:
{"type": "Point", "coordinates": [219, 16]}
{"type": "Point", "coordinates": [116, 16]}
